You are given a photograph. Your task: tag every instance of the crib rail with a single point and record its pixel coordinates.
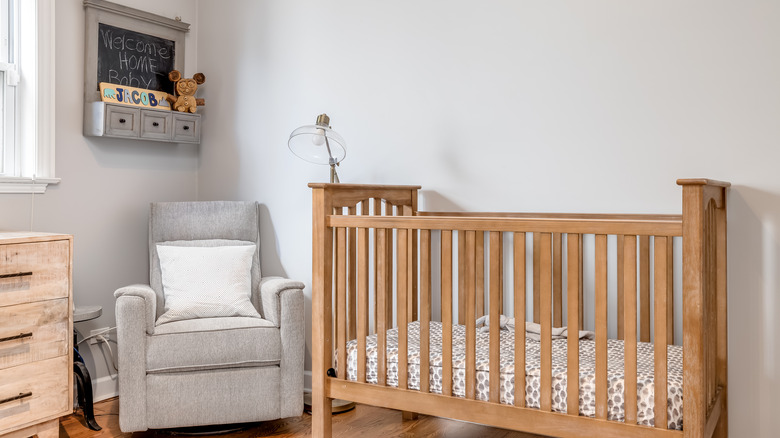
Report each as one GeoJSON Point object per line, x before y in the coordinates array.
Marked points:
{"type": "Point", "coordinates": [372, 248]}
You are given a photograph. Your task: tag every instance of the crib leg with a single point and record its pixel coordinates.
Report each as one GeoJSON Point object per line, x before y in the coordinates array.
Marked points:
{"type": "Point", "coordinates": [406, 415]}
{"type": "Point", "coordinates": [321, 424]}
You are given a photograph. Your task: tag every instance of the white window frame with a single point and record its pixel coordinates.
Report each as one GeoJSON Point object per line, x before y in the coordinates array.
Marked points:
{"type": "Point", "coordinates": [32, 160]}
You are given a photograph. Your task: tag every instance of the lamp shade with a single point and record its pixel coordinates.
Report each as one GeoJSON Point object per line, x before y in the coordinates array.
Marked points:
{"type": "Point", "coordinates": [311, 143]}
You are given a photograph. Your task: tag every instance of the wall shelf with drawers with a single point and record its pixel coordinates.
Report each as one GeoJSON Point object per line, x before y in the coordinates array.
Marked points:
{"type": "Point", "coordinates": [36, 326]}
{"type": "Point", "coordinates": [103, 119]}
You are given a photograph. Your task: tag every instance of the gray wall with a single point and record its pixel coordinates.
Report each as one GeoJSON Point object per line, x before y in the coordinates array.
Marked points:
{"type": "Point", "coordinates": [592, 106]}
{"type": "Point", "coordinates": [107, 185]}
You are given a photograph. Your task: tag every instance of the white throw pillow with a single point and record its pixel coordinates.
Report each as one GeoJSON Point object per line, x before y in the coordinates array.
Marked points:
{"type": "Point", "coordinates": [206, 282]}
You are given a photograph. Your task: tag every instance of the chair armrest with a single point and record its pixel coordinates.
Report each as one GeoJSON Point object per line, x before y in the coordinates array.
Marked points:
{"type": "Point", "coordinates": [149, 313]}
{"type": "Point", "coordinates": [271, 291]}
{"type": "Point", "coordinates": [283, 306]}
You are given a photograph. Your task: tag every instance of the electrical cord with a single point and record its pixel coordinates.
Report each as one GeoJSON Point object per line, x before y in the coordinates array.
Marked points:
{"type": "Point", "coordinates": [102, 339]}
{"type": "Point", "coordinates": [95, 335]}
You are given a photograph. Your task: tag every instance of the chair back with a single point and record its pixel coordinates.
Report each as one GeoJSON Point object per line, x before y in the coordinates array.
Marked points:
{"type": "Point", "coordinates": [202, 223]}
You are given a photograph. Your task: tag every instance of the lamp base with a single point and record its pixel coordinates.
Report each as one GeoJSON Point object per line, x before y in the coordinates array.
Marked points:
{"type": "Point", "coordinates": [338, 406]}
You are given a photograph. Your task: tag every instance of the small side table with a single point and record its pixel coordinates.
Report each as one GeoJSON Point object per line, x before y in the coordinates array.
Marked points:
{"type": "Point", "coordinates": [83, 380]}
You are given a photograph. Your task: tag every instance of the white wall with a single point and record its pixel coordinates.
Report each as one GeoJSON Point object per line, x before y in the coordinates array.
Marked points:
{"type": "Point", "coordinates": [523, 106]}
{"type": "Point", "coordinates": [107, 185]}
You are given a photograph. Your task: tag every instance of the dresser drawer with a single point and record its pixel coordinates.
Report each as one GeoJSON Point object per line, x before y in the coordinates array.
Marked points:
{"type": "Point", "coordinates": [33, 331]}
{"type": "Point", "coordinates": [40, 389]}
{"type": "Point", "coordinates": [34, 271]}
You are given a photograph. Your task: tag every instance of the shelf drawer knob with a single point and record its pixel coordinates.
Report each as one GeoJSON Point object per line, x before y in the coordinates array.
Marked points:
{"type": "Point", "coordinates": [155, 124]}
{"type": "Point", "coordinates": [122, 120]}
{"type": "Point", "coordinates": [186, 127]}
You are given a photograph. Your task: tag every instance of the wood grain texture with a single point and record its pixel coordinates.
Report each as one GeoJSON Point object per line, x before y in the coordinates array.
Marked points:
{"type": "Point", "coordinates": [644, 288]}
{"type": "Point", "coordinates": [510, 417]}
{"type": "Point", "coordinates": [446, 312]}
{"type": "Point", "coordinates": [537, 239]}
{"type": "Point", "coordinates": [47, 380]}
{"type": "Point", "coordinates": [629, 318]}
{"type": "Point", "coordinates": [602, 383]}
{"type": "Point", "coordinates": [341, 301]}
{"type": "Point", "coordinates": [722, 429]}
{"type": "Point", "coordinates": [586, 226]}
{"type": "Point", "coordinates": [45, 321]}
{"type": "Point", "coordinates": [402, 297]}
{"type": "Point", "coordinates": [480, 273]}
{"type": "Point", "coordinates": [545, 317]}
{"type": "Point", "coordinates": [461, 277]}
{"type": "Point", "coordinates": [382, 304]}
{"type": "Point", "coordinates": [660, 298]}
{"type": "Point", "coordinates": [620, 284]}
{"type": "Point", "coordinates": [362, 300]}
{"type": "Point", "coordinates": [520, 318]}
{"type": "Point", "coordinates": [557, 281]}
{"type": "Point", "coordinates": [471, 341]}
{"type": "Point", "coordinates": [573, 342]}
{"type": "Point", "coordinates": [495, 312]}
{"type": "Point", "coordinates": [321, 309]}
{"type": "Point", "coordinates": [425, 308]}
{"type": "Point", "coordinates": [48, 263]}
{"type": "Point", "coordinates": [352, 278]}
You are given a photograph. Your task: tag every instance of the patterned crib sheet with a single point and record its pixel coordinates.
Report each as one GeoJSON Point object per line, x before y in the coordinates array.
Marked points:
{"type": "Point", "coordinates": [587, 402]}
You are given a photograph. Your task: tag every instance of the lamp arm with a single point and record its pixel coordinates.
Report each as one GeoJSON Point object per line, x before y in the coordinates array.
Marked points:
{"type": "Point", "coordinates": [334, 177]}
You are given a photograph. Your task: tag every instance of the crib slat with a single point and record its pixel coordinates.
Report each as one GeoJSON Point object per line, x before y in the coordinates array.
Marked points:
{"type": "Point", "coordinates": [644, 288]}
{"type": "Point", "coordinates": [670, 291]}
{"type": "Point", "coordinates": [446, 312]}
{"type": "Point", "coordinates": [336, 280]}
{"type": "Point", "coordinates": [461, 277]}
{"type": "Point", "coordinates": [660, 328]}
{"type": "Point", "coordinates": [411, 258]}
{"type": "Point", "coordinates": [425, 309]}
{"type": "Point", "coordinates": [620, 273]}
{"type": "Point", "coordinates": [377, 211]}
{"type": "Point", "coordinates": [545, 311]}
{"type": "Point", "coordinates": [601, 326]}
{"type": "Point", "coordinates": [495, 311]}
{"type": "Point", "coordinates": [573, 321]}
{"type": "Point", "coordinates": [557, 280]}
{"type": "Point", "coordinates": [341, 301]}
{"type": "Point", "coordinates": [480, 273]}
{"type": "Point", "coordinates": [629, 317]}
{"type": "Point", "coordinates": [401, 309]}
{"type": "Point", "coordinates": [381, 305]}
{"type": "Point", "coordinates": [580, 286]}
{"type": "Point", "coordinates": [352, 278]}
{"type": "Point", "coordinates": [362, 300]}
{"type": "Point", "coordinates": [519, 283]}
{"type": "Point", "coordinates": [537, 242]}
{"type": "Point", "coordinates": [469, 315]}
{"type": "Point", "coordinates": [389, 272]}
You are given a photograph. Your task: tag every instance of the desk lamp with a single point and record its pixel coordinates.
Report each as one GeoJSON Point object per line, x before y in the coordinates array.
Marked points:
{"type": "Point", "coordinates": [319, 144]}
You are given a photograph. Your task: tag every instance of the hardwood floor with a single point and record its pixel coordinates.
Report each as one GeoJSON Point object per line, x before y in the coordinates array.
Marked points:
{"type": "Point", "coordinates": [363, 421]}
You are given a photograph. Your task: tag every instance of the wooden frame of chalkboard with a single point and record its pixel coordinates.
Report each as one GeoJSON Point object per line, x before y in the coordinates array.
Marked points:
{"type": "Point", "coordinates": [130, 47]}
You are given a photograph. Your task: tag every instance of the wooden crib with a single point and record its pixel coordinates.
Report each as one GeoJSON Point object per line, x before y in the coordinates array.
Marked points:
{"type": "Point", "coordinates": [372, 249]}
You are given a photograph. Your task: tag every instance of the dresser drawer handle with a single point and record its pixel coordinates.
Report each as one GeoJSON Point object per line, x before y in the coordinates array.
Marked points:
{"type": "Point", "coordinates": [155, 124]}
{"type": "Point", "coordinates": [18, 274]}
{"type": "Point", "coordinates": [16, 397]}
{"type": "Point", "coordinates": [122, 120]}
{"type": "Point", "coordinates": [186, 127]}
{"type": "Point", "coordinates": [19, 336]}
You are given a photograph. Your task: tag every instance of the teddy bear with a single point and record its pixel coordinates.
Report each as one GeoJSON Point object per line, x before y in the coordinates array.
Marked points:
{"type": "Point", "coordinates": [183, 98]}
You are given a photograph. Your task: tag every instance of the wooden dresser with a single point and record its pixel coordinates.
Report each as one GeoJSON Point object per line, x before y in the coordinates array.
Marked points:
{"type": "Point", "coordinates": [36, 333]}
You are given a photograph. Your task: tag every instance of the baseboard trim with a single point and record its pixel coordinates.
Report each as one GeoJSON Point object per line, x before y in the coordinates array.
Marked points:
{"type": "Point", "coordinates": [105, 387]}
{"type": "Point", "coordinates": [307, 381]}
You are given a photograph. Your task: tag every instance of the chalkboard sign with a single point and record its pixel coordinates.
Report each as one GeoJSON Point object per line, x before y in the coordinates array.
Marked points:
{"type": "Point", "coordinates": [135, 59]}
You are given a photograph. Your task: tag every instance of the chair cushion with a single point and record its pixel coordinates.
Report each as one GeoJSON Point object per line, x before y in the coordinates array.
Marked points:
{"type": "Point", "coordinates": [213, 343]}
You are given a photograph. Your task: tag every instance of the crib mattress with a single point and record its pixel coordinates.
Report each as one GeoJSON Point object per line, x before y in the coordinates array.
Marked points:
{"type": "Point", "coordinates": [587, 402]}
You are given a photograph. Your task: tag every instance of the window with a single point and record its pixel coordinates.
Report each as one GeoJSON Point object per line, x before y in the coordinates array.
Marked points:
{"type": "Point", "coordinates": [26, 95]}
